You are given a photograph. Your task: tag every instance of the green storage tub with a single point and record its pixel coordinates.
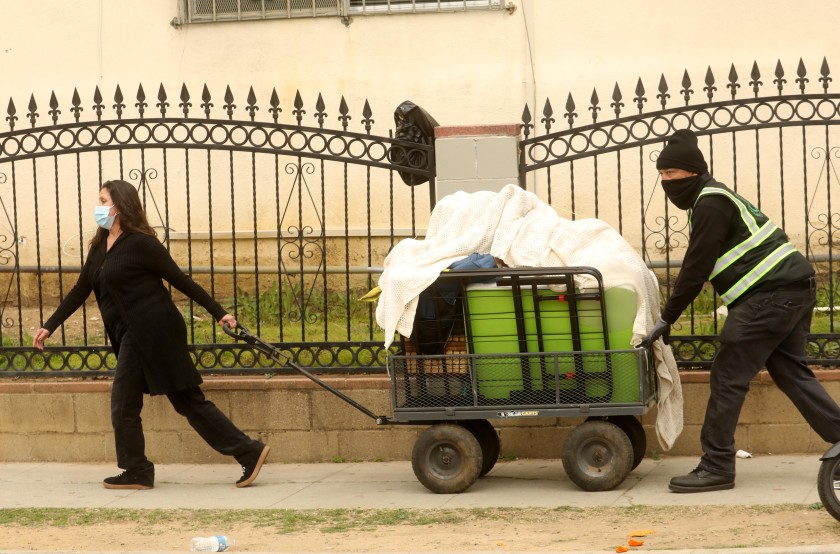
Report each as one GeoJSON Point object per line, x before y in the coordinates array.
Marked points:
{"type": "Point", "coordinates": [493, 330]}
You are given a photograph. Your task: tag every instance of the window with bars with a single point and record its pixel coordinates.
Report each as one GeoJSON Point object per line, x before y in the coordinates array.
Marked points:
{"type": "Point", "coordinates": [208, 11]}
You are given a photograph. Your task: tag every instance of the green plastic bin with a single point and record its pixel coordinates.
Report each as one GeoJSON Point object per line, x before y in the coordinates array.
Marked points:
{"type": "Point", "coordinates": [493, 330]}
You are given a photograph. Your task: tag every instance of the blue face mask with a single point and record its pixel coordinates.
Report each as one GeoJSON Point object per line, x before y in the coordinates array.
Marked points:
{"type": "Point", "coordinates": [100, 214]}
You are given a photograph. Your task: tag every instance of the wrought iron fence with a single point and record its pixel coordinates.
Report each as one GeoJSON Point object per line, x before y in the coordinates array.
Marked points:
{"type": "Point", "coordinates": [772, 139]}
{"type": "Point", "coordinates": [283, 222]}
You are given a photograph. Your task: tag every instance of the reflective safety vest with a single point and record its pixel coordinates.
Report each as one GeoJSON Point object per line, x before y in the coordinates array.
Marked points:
{"type": "Point", "coordinates": [751, 253]}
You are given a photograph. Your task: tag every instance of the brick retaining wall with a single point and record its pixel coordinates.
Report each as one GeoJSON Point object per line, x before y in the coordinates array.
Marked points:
{"type": "Point", "coordinates": [69, 421]}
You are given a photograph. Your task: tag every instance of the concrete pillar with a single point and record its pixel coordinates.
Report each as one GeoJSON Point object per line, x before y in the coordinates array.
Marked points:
{"type": "Point", "coordinates": [475, 158]}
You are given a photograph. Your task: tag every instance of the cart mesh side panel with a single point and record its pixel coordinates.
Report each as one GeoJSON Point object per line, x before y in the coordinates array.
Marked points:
{"type": "Point", "coordinates": [550, 379]}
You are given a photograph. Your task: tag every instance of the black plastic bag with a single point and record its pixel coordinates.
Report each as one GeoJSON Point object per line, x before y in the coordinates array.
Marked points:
{"type": "Point", "coordinates": [414, 124]}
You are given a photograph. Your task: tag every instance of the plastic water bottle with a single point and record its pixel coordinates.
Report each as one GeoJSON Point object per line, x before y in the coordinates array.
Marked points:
{"type": "Point", "coordinates": [219, 543]}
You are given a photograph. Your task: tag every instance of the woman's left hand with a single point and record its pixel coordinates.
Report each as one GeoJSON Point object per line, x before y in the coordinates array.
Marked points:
{"type": "Point", "coordinates": [228, 320]}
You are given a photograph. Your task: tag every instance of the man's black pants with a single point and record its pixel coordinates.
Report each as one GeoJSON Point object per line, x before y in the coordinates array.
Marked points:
{"type": "Point", "coordinates": [127, 402]}
{"type": "Point", "coordinates": [767, 329]}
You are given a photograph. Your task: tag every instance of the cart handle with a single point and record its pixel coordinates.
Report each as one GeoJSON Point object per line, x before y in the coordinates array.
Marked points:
{"type": "Point", "coordinates": [241, 333]}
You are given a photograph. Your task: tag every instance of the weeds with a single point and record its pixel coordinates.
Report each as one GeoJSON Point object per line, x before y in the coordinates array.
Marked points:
{"type": "Point", "coordinates": [343, 520]}
{"type": "Point", "coordinates": [284, 521]}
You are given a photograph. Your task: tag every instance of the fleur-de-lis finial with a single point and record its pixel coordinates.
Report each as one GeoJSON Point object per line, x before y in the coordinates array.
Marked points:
{"type": "Point", "coordinates": [275, 109]}
{"type": "Point", "coordinates": [162, 104]}
{"type": "Point", "coordinates": [801, 79]}
{"type": "Point", "coordinates": [343, 111]}
{"type": "Point", "coordinates": [686, 89]}
{"type": "Point", "coordinates": [320, 114]}
{"type": "Point", "coordinates": [593, 100]}
{"type": "Point", "coordinates": [33, 113]}
{"type": "Point", "coordinates": [229, 106]}
{"type": "Point", "coordinates": [185, 103]}
{"type": "Point", "coordinates": [640, 95]}
{"type": "Point", "coordinates": [526, 122]}
{"type": "Point", "coordinates": [298, 111]}
{"type": "Point", "coordinates": [98, 106]}
{"type": "Point", "coordinates": [118, 102]}
{"type": "Point", "coordinates": [547, 118]}
{"type": "Point", "coordinates": [141, 101]}
{"type": "Point", "coordinates": [824, 71]}
{"type": "Point", "coordinates": [11, 118]}
{"type": "Point", "coordinates": [663, 91]}
{"type": "Point", "coordinates": [616, 103]}
{"type": "Point", "coordinates": [710, 87]}
{"type": "Point", "coordinates": [733, 85]}
{"type": "Point", "coordinates": [780, 74]}
{"type": "Point", "coordinates": [252, 107]}
{"type": "Point", "coordinates": [76, 109]}
{"type": "Point", "coordinates": [755, 79]}
{"type": "Point", "coordinates": [54, 111]}
{"type": "Point", "coordinates": [206, 104]}
{"type": "Point", "coordinates": [367, 116]}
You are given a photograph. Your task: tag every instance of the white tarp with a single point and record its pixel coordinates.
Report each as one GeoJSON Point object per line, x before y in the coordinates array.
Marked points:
{"type": "Point", "coordinates": [520, 229]}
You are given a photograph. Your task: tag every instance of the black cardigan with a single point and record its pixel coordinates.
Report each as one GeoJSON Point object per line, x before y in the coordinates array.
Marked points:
{"type": "Point", "coordinates": [133, 271]}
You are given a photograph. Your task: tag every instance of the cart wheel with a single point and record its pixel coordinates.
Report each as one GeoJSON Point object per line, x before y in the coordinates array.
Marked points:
{"type": "Point", "coordinates": [488, 438]}
{"type": "Point", "coordinates": [446, 458]}
{"type": "Point", "coordinates": [828, 485]}
{"type": "Point", "coordinates": [636, 433]}
{"type": "Point", "coordinates": [597, 455]}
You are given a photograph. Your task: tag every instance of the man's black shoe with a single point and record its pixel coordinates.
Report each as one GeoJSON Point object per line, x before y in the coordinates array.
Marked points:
{"type": "Point", "coordinates": [131, 479]}
{"type": "Point", "coordinates": [701, 480]}
{"type": "Point", "coordinates": [251, 465]}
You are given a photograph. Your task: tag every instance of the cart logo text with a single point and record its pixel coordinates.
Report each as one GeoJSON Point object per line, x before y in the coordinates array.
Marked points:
{"type": "Point", "coordinates": [518, 413]}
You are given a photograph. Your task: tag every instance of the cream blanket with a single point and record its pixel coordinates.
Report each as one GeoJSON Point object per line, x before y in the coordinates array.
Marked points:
{"type": "Point", "coordinates": [523, 231]}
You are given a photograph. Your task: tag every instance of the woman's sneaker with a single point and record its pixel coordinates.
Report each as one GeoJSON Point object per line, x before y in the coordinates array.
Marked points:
{"type": "Point", "coordinates": [251, 465]}
{"type": "Point", "coordinates": [131, 479]}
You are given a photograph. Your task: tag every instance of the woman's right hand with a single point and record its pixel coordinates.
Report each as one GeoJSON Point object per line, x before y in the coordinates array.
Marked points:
{"type": "Point", "coordinates": [40, 336]}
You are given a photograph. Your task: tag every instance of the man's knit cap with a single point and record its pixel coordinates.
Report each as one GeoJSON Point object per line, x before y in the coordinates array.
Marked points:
{"type": "Point", "coordinates": [682, 153]}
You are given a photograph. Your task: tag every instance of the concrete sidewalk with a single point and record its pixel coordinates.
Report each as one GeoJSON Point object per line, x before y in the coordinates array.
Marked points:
{"type": "Point", "coordinates": [762, 480]}
{"type": "Point", "coordinates": [521, 483]}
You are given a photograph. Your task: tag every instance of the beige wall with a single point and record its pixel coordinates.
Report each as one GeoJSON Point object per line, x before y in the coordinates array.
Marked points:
{"type": "Point", "coordinates": [465, 68]}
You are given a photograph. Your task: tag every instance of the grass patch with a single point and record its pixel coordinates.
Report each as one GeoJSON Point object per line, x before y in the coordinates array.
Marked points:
{"type": "Point", "coordinates": [345, 520]}
{"type": "Point", "coordinates": [283, 521]}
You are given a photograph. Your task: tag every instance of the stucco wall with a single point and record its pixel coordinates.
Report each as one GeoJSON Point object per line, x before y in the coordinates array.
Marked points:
{"type": "Point", "coordinates": [465, 68]}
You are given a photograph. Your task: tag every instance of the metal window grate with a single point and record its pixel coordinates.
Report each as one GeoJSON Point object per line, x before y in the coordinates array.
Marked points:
{"type": "Point", "coordinates": [208, 11]}
{"type": "Point", "coordinates": [372, 7]}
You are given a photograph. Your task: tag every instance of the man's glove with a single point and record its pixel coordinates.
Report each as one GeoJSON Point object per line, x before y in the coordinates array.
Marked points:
{"type": "Point", "coordinates": [660, 329]}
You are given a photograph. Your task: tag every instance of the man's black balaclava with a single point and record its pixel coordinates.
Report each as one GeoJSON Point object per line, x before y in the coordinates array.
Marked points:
{"type": "Point", "coordinates": [682, 153]}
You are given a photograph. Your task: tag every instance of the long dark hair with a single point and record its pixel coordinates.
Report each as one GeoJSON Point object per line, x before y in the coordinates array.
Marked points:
{"type": "Point", "coordinates": [132, 215]}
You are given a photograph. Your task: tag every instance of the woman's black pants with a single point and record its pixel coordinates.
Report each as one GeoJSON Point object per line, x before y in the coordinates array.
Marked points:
{"type": "Point", "coordinates": [127, 402]}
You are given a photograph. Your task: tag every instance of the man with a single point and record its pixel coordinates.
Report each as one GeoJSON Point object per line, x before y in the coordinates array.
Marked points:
{"type": "Point", "coordinates": [769, 290]}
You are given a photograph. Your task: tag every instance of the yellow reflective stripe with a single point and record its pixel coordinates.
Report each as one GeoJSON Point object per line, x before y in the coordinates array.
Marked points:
{"type": "Point", "coordinates": [739, 250]}
{"type": "Point", "coordinates": [758, 272]}
{"type": "Point", "coordinates": [746, 216]}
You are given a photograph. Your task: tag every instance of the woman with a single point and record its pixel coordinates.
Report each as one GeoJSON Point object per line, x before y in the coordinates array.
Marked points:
{"type": "Point", "coordinates": [124, 268]}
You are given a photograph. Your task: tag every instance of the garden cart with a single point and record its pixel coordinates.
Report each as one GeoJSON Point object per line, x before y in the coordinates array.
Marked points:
{"type": "Point", "coordinates": [510, 344]}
